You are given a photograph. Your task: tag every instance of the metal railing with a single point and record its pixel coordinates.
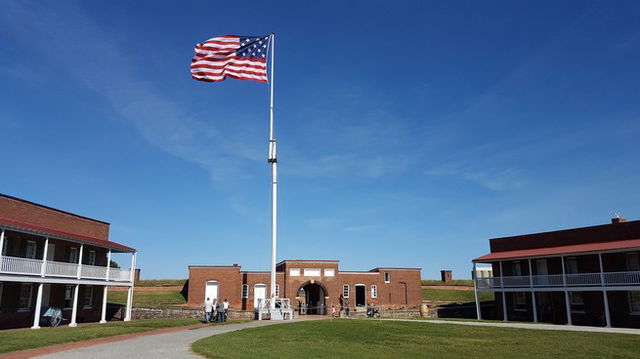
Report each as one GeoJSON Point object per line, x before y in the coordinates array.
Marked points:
{"type": "Point", "coordinates": [559, 280]}
{"type": "Point", "coordinates": [27, 266]}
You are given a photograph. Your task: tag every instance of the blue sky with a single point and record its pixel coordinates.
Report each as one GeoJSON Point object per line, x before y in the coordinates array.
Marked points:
{"type": "Point", "coordinates": [409, 133]}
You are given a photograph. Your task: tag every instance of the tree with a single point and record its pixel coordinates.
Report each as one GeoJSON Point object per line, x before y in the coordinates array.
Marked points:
{"type": "Point", "coordinates": [113, 264]}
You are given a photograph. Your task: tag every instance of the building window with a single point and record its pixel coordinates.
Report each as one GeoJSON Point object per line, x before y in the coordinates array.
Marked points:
{"type": "Point", "coordinates": [387, 277]}
{"type": "Point", "coordinates": [277, 290]}
{"type": "Point", "coordinates": [345, 291]}
{"type": "Point", "coordinates": [633, 262]}
{"type": "Point", "coordinates": [245, 291]}
{"type": "Point", "coordinates": [311, 272]}
{"type": "Point", "coordinates": [294, 272]}
{"type": "Point", "coordinates": [634, 302]}
{"type": "Point", "coordinates": [92, 258]}
{"type": "Point", "coordinates": [31, 249]}
{"type": "Point", "coordinates": [329, 272]}
{"type": "Point", "coordinates": [571, 264]}
{"type": "Point", "coordinates": [516, 268]}
{"type": "Point", "coordinates": [73, 255]}
{"type": "Point", "coordinates": [68, 296]}
{"type": "Point", "coordinates": [374, 291]}
{"type": "Point", "coordinates": [88, 296]}
{"type": "Point", "coordinates": [520, 301]}
{"type": "Point", "coordinates": [577, 302]}
{"type": "Point", "coordinates": [26, 291]}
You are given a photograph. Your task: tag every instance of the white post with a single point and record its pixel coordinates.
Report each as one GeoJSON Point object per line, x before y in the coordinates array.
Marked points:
{"type": "Point", "coordinates": [80, 261]}
{"type": "Point", "coordinates": [74, 311]}
{"type": "Point", "coordinates": [1, 247]}
{"type": "Point", "coordinates": [566, 293]}
{"type": "Point", "coordinates": [607, 315]}
{"type": "Point", "coordinates": [36, 312]}
{"type": "Point", "coordinates": [475, 291]}
{"type": "Point", "coordinates": [274, 179]}
{"type": "Point", "coordinates": [44, 257]}
{"type": "Point", "coordinates": [127, 316]}
{"type": "Point", "coordinates": [108, 264]}
{"type": "Point", "coordinates": [103, 318]}
{"type": "Point", "coordinates": [504, 297]}
{"type": "Point", "coordinates": [533, 295]}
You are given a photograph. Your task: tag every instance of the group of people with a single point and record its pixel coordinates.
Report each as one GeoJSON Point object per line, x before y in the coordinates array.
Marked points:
{"type": "Point", "coordinates": [218, 310]}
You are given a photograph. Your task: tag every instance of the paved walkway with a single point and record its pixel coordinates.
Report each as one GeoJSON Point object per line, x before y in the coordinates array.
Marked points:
{"type": "Point", "coordinates": [167, 345]}
{"type": "Point", "coordinates": [538, 326]}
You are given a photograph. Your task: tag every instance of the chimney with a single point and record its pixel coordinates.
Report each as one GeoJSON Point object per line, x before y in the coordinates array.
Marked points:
{"type": "Point", "coordinates": [617, 219]}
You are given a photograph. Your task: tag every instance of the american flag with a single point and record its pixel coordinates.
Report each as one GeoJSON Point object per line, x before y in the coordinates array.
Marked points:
{"type": "Point", "coordinates": [238, 57]}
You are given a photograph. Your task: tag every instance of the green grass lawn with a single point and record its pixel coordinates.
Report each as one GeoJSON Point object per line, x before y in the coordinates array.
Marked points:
{"type": "Point", "coordinates": [452, 295]}
{"type": "Point", "coordinates": [29, 339]}
{"type": "Point", "coordinates": [456, 282]}
{"type": "Point", "coordinates": [152, 298]}
{"type": "Point", "coordinates": [355, 339]}
{"type": "Point", "coordinates": [161, 282]}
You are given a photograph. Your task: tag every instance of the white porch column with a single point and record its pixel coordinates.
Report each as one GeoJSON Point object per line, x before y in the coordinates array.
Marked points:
{"type": "Point", "coordinates": [36, 311]}
{"type": "Point", "coordinates": [127, 315]}
{"type": "Point", "coordinates": [504, 297]}
{"type": "Point", "coordinates": [74, 311]}
{"type": "Point", "coordinates": [103, 318]}
{"type": "Point", "coordinates": [44, 257]}
{"type": "Point", "coordinates": [1, 244]}
{"type": "Point", "coordinates": [534, 305]}
{"type": "Point", "coordinates": [566, 293]}
{"type": "Point", "coordinates": [130, 291]}
{"type": "Point", "coordinates": [108, 265]}
{"type": "Point", "coordinates": [475, 291]}
{"type": "Point", "coordinates": [80, 261]}
{"type": "Point", "coordinates": [504, 307]}
{"type": "Point", "coordinates": [607, 315]}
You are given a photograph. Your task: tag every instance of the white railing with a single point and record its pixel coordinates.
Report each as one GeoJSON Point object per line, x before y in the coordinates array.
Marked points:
{"type": "Point", "coordinates": [61, 269]}
{"type": "Point", "coordinates": [93, 272]}
{"type": "Point", "coordinates": [552, 280]}
{"type": "Point", "coordinates": [119, 275]}
{"type": "Point", "coordinates": [27, 266]}
{"type": "Point", "coordinates": [16, 265]}
{"type": "Point", "coordinates": [583, 279]}
{"type": "Point", "coordinates": [557, 280]}
{"type": "Point", "coordinates": [622, 278]}
{"type": "Point", "coordinates": [516, 281]}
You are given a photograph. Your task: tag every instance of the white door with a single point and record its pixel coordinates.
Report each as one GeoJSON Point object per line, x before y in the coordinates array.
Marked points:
{"type": "Point", "coordinates": [211, 290]}
{"type": "Point", "coordinates": [259, 295]}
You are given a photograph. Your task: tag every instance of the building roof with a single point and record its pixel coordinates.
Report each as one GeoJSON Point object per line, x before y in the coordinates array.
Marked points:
{"type": "Point", "coordinates": [50, 208]}
{"type": "Point", "coordinates": [393, 268]}
{"type": "Point", "coordinates": [50, 232]}
{"type": "Point", "coordinates": [308, 261]}
{"type": "Point", "coordinates": [561, 250]}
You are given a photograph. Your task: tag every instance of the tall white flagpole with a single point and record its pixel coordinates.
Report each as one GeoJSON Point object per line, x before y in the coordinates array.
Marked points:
{"type": "Point", "coordinates": [274, 180]}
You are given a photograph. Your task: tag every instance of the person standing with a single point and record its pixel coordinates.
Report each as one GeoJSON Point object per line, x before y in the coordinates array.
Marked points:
{"type": "Point", "coordinates": [226, 309]}
{"type": "Point", "coordinates": [346, 309]}
{"type": "Point", "coordinates": [220, 309]}
{"type": "Point", "coordinates": [208, 308]}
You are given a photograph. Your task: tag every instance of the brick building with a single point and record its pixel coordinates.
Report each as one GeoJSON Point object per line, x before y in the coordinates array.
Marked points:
{"type": "Point", "coordinates": [580, 276]}
{"type": "Point", "coordinates": [52, 258]}
{"type": "Point", "coordinates": [317, 283]}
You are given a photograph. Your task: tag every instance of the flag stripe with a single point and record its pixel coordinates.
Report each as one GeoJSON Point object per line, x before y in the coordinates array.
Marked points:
{"type": "Point", "coordinates": [230, 56]}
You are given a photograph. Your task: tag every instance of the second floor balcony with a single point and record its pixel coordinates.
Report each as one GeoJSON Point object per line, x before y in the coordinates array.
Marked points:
{"type": "Point", "coordinates": [39, 267]}
{"type": "Point", "coordinates": [623, 278]}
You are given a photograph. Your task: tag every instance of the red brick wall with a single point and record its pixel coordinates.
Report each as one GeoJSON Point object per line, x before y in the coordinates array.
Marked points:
{"type": "Point", "coordinates": [22, 211]}
{"type": "Point", "coordinates": [404, 290]}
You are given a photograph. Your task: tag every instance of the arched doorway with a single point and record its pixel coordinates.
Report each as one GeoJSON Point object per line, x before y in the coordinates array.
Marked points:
{"type": "Point", "coordinates": [312, 295]}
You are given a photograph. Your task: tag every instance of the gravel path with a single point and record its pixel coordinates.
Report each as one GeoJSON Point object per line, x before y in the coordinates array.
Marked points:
{"type": "Point", "coordinates": [168, 345]}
